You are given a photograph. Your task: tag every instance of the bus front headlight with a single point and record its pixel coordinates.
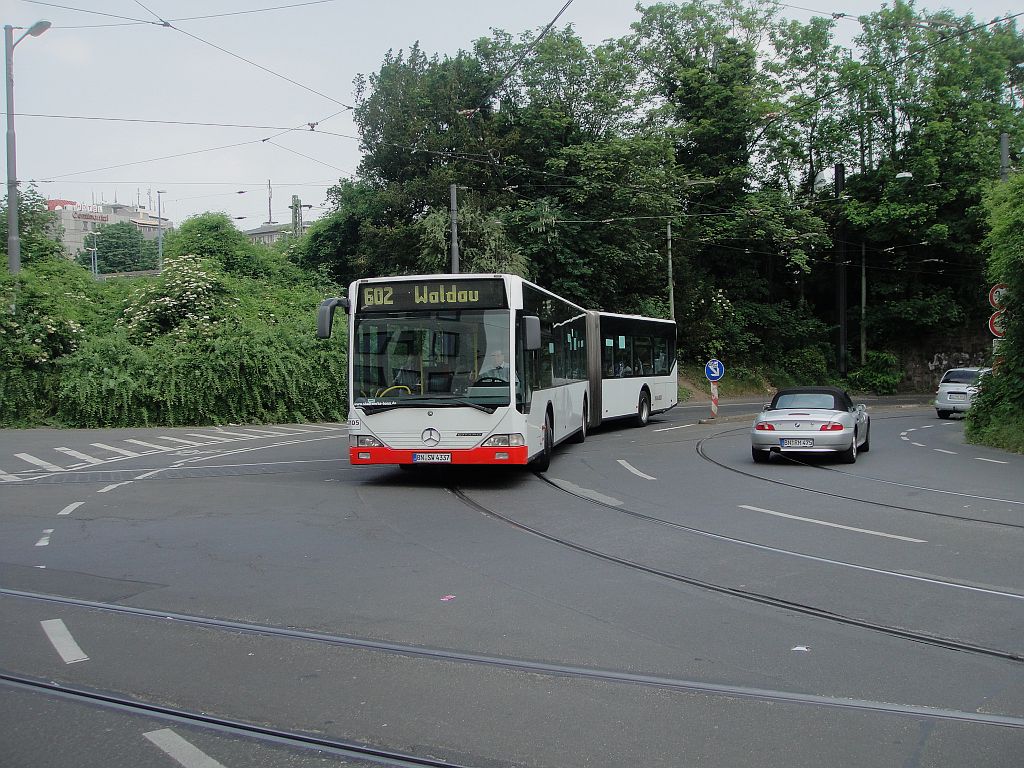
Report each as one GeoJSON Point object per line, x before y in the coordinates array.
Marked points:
{"type": "Point", "coordinates": [504, 441]}
{"type": "Point", "coordinates": [364, 441]}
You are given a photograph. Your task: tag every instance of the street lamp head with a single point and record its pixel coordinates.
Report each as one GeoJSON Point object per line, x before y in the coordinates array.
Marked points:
{"type": "Point", "coordinates": [38, 28]}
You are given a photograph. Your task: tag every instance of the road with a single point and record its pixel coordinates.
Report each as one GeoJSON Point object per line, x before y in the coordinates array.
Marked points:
{"type": "Point", "coordinates": [241, 596]}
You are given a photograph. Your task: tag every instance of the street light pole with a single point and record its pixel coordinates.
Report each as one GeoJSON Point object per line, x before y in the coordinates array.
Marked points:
{"type": "Point", "coordinates": [13, 238]}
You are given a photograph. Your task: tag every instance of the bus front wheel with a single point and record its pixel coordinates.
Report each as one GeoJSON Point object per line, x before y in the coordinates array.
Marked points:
{"type": "Point", "coordinates": [643, 410]}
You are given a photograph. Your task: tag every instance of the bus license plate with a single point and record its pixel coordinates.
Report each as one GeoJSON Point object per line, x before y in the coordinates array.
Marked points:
{"type": "Point", "coordinates": [798, 442]}
{"type": "Point", "coordinates": [432, 458]}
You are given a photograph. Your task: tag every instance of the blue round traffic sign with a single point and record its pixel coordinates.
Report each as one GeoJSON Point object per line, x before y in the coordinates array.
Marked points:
{"type": "Point", "coordinates": [714, 369]}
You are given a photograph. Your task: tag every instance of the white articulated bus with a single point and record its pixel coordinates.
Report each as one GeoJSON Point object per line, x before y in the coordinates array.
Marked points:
{"type": "Point", "coordinates": [490, 369]}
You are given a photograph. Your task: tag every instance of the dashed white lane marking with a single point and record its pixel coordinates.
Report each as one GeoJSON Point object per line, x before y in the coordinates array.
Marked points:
{"type": "Point", "coordinates": [44, 541]}
{"type": "Point", "coordinates": [210, 437]}
{"type": "Point", "coordinates": [927, 426]}
{"type": "Point", "coordinates": [144, 444]}
{"type": "Point", "coordinates": [587, 492]}
{"type": "Point", "coordinates": [177, 440]}
{"type": "Point", "coordinates": [833, 525]}
{"type": "Point", "coordinates": [668, 429]}
{"type": "Point", "coordinates": [113, 449]}
{"type": "Point", "coordinates": [267, 432]}
{"type": "Point", "coordinates": [183, 752]}
{"type": "Point", "coordinates": [994, 461]}
{"type": "Point", "coordinates": [81, 456]}
{"type": "Point", "coordinates": [919, 445]}
{"type": "Point", "coordinates": [111, 487]}
{"type": "Point", "coordinates": [39, 462]}
{"type": "Point", "coordinates": [61, 639]}
{"type": "Point", "coordinates": [150, 474]}
{"type": "Point", "coordinates": [237, 434]}
{"type": "Point", "coordinates": [71, 508]}
{"type": "Point", "coordinates": [943, 450]}
{"type": "Point", "coordinates": [634, 470]}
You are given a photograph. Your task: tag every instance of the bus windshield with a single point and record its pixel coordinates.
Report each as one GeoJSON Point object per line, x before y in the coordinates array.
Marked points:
{"type": "Point", "coordinates": [440, 358]}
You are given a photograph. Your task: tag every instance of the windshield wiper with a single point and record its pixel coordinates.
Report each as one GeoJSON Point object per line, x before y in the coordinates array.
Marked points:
{"type": "Point", "coordinates": [407, 402]}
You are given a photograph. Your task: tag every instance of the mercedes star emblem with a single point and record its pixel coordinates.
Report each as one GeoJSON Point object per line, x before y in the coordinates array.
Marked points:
{"type": "Point", "coordinates": [431, 436]}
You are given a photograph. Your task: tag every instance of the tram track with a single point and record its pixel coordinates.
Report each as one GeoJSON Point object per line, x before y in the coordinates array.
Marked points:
{"type": "Point", "coordinates": [225, 726]}
{"type": "Point", "coordinates": [699, 447]}
{"type": "Point", "coordinates": [748, 595]}
{"type": "Point", "coordinates": [549, 669]}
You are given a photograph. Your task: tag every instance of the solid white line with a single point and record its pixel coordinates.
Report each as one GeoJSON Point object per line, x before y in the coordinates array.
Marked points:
{"type": "Point", "coordinates": [180, 750]}
{"type": "Point", "coordinates": [833, 525]}
{"type": "Point", "coordinates": [150, 474]}
{"type": "Point", "coordinates": [144, 444]}
{"type": "Point", "coordinates": [83, 456]}
{"type": "Point", "coordinates": [58, 634]}
{"type": "Point", "coordinates": [667, 429]}
{"type": "Point", "coordinates": [71, 508]}
{"type": "Point", "coordinates": [634, 470]}
{"type": "Point", "coordinates": [39, 462]}
{"type": "Point", "coordinates": [994, 461]}
{"type": "Point", "coordinates": [943, 450]}
{"type": "Point", "coordinates": [45, 540]}
{"type": "Point", "coordinates": [112, 449]}
{"type": "Point", "coordinates": [177, 440]}
{"type": "Point", "coordinates": [112, 487]}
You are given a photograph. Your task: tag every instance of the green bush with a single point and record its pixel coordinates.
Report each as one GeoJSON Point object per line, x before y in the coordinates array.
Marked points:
{"type": "Point", "coordinates": [881, 374]}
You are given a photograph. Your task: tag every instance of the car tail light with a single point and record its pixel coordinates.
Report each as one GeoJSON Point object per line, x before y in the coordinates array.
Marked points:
{"type": "Point", "coordinates": [764, 426]}
{"type": "Point", "coordinates": [832, 426]}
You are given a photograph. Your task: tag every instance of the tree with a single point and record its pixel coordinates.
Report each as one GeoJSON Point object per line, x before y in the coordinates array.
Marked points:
{"type": "Point", "coordinates": [37, 227]}
{"type": "Point", "coordinates": [120, 248]}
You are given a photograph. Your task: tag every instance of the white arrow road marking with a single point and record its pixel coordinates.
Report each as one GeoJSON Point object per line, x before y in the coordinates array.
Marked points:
{"type": "Point", "coordinates": [634, 470]}
{"type": "Point", "coordinates": [180, 750]}
{"type": "Point", "coordinates": [833, 525]}
{"type": "Point", "coordinates": [62, 641]}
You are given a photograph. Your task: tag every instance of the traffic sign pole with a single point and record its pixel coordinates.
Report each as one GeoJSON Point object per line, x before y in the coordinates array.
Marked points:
{"type": "Point", "coordinates": [713, 371]}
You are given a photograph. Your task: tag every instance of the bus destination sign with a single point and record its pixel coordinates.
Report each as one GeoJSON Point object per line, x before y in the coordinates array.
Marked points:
{"type": "Point", "coordinates": [403, 296]}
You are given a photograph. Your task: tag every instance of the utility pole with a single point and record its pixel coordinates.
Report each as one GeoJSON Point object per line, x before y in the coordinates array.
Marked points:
{"type": "Point", "coordinates": [270, 196]}
{"type": "Point", "coordinates": [841, 273]}
{"type": "Point", "coordinates": [1004, 156]}
{"type": "Point", "coordinates": [455, 229]}
{"type": "Point", "coordinates": [671, 283]}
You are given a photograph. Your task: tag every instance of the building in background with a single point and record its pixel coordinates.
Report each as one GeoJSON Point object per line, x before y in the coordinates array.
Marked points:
{"type": "Point", "coordinates": [76, 220]}
{"type": "Point", "coordinates": [268, 234]}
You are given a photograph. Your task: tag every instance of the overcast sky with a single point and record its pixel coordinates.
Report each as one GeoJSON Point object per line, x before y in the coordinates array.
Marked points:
{"type": "Point", "coordinates": [93, 65]}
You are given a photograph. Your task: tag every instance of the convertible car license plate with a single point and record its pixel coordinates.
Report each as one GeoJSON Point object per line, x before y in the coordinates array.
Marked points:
{"type": "Point", "coordinates": [432, 458]}
{"type": "Point", "coordinates": [797, 442]}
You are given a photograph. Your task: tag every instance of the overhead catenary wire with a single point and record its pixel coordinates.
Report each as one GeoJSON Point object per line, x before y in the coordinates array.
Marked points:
{"type": "Point", "coordinates": [129, 21]}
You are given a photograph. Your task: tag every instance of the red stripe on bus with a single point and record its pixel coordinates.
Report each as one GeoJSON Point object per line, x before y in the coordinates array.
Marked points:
{"type": "Point", "coordinates": [518, 455]}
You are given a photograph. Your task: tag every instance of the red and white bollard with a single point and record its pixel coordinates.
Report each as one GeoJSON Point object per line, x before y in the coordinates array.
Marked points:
{"type": "Point", "coordinates": [714, 399]}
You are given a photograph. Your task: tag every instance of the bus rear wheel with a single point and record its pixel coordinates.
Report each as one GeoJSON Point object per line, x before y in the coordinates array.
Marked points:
{"type": "Point", "coordinates": [581, 435]}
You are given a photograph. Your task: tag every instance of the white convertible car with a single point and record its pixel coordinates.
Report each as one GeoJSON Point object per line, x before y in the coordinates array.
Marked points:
{"type": "Point", "coordinates": [811, 420]}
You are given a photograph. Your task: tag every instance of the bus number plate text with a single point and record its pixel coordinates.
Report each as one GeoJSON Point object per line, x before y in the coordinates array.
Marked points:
{"type": "Point", "coordinates": [432, 458]}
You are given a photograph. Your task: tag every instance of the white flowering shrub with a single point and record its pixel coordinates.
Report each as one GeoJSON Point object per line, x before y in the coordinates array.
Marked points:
{"type": "Point", "coordinates": [184, 301]}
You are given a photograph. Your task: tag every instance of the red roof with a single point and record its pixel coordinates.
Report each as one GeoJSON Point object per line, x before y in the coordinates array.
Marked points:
{"type": "Point", "coordinates": [52, 205]}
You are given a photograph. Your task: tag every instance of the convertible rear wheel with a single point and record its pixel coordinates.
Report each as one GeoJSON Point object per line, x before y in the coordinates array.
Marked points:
{"type": "Point", "coordinates": [849, 456]}
{"type": "Point", "coordinates": [760, 457]}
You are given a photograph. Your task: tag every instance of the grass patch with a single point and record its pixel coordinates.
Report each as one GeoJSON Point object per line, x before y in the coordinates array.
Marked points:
{"type": "Point", "coordinates": [1006, 432]}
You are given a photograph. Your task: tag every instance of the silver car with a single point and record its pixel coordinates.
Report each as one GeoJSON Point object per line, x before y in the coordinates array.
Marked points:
{"type": "Point", "coordinates": [957, 389]}
{"type": "Point", "coordinates": [811, 420]}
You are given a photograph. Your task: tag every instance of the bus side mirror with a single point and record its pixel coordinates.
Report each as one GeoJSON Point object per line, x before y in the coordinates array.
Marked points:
{"type": "Point", "coordinates": [531, 333]}
{"type": "Point", "coordinates": [325, 316]}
